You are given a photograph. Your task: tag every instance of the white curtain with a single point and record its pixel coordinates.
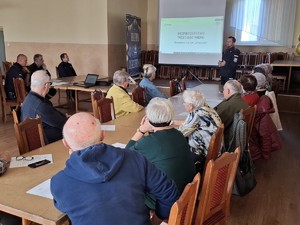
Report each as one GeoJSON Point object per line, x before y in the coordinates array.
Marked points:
{"type": "Point", "coordinates": [264, 20]}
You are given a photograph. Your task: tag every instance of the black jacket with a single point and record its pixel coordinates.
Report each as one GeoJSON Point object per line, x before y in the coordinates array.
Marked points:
{"type": "Point", "coordinates": [15, 71]}
{"type": "Point", "coordinates": [66, 69]}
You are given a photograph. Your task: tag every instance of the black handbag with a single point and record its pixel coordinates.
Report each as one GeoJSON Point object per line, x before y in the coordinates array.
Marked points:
{"type": "Point", "coordinates": [245, 180]}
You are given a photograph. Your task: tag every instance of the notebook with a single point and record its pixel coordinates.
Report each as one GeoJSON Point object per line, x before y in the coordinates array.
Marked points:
{"type": "Point", "coordinates": [90, 81]}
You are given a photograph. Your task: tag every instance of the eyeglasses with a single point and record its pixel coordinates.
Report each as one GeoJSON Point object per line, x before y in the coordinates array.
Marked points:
{"type": "Point", "coordinates": [26, 158]}
{"type": "Point", "coordinates": [50, 83]}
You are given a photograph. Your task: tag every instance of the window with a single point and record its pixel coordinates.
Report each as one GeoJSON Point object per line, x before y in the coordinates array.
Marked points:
{"type": "Point", "coordinates": [263, 22]}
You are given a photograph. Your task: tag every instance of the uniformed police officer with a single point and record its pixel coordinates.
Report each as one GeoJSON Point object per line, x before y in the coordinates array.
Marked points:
{"type": "Point", "coordinates": [229, 61]}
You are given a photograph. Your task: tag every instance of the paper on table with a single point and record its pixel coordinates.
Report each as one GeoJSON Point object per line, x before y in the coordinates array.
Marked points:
{"type": "Point", "coordinates": [108, 127]}
{"type": "Point", "coordinates": [119, 145]}
{"type": "Point", "coordinates": [57, 83]}
{"type": "Point", "coordinates": [43, 190]}
{"type": "Point", "coordinates": [22, 163]}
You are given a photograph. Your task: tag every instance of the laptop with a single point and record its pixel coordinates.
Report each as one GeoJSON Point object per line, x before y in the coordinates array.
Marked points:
{"type": "Point", "coordinates": [90, 81]}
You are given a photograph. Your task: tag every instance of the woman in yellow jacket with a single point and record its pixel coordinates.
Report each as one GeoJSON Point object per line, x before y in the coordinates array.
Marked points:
{"type": "Point", "coordinates": [122, 101]}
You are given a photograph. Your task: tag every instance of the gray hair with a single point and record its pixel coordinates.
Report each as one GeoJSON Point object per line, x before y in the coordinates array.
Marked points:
{"type": "Point", "coordinates": [149, 69]}
{"type": "Point", "coordinates": [261, 80]}
{"type": "Point", "coordinates": [160, 110]}
{"type": "Point", "coordinates": [234, 86]}
{"type": "Point", "coordinates": [120, 77]}
{"type": "Point", "coordinates": [194, 97]}
{"type": "Point", "coordinates": [38, 79]}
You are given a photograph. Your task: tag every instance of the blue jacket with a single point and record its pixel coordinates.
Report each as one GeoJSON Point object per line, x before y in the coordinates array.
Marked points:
{"type": "Point", "coordinates": [53, 120]}
{"type": "Point", "coordinates": [151, 90]}
{"type": "Point", "coordinates": [103, 184]}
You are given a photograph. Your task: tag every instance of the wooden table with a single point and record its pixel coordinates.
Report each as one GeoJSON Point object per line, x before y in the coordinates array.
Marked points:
{"type": "Point", "coordinates": [290, 64]}
{"type": "Point", "coordinates": [81, 78]}
{"type": "Point", "coordinates": [14, 184]}
{"type": "Point", "coordinates": [17, 181]}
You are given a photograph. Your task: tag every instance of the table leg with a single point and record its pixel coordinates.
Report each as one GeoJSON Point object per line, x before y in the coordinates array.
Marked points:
{"type": "Point", "coordinates": [25, 222]}
{"type": "Point", "coordinates": [289, 80]}
{"type": "Point", "coordinates": [76, 101]}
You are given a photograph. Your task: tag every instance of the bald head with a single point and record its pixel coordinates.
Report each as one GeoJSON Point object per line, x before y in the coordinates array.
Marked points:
{"type": "Point", "coordinates": [22, 59]}
{"type": "Point", "coordinates": [81, 131]}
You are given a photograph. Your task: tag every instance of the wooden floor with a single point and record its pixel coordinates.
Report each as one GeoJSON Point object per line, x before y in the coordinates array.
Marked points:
{"type": "Point", "coordinates": [276, 198]}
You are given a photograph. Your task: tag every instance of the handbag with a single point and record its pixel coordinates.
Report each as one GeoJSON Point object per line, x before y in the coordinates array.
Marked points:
{"type": "Point", "coordinates": [245, 180]}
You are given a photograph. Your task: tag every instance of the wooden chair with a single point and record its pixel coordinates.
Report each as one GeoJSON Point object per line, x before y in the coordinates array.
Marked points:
{"type": "Point", "coordinates": [96, 96]}
{"type": "Point", "coordinates": [182, 210]}
{"type": "Point", "coordinates": [6, 65]}
{"type": "Point", "coordinates": [249, 115]}
{"type": "Point", "coordinates": [139, 95]}
{"type": "Point", "coordinates": [280, 73]}
{"type": "Point", "coordinates": [104, 109]}
{"type": "Point", "coordinates": [29, 134]}
{"type": "Point", "coordinates": [20, 90]}
{"type": "Point", "coordinates": [214, 145]}
{"type": "Point", "coordinates": [183, 83]}
{"type": "Point", "coordinates": [4, 102]}
{"type": "Point", "coordinates": [217, 187]}
{"type": "Point", "coordinates": [175, 87]}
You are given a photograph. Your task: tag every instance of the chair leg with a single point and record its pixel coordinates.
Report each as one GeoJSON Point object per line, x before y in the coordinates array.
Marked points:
{"type": "Point", "coordinates": [4, 116]}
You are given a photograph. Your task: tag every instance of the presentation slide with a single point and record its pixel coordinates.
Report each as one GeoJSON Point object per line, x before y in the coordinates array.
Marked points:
{"type": "Point", "coordinates": [191, 41]}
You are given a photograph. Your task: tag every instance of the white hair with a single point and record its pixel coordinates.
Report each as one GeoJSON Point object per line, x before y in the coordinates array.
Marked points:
{"type": "Point", "coordinates": [120, 77]}
{"type": "Point", "coordinates": [160, 110]}
{"type": "Point", "coordinates": [38, 79]}
{"type": "Point", "coordinates": [194, 97]}
{"type": "Point", "coordinates": [149, 69]}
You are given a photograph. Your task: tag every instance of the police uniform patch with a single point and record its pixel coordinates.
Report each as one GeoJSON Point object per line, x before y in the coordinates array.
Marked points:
{"type": "Point", "coordinates": [235, 58]}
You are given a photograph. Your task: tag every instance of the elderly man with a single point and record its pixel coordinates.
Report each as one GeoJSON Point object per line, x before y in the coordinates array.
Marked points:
{"type": "Point", "coordinates": [18, 70]}
{"type": "Point", "coordinates": [102, 184]}
{"type": "Point", "coordinates": [35, 104]}
{"type": "Point", "coordinates": [122, 101]}
{"type": "Point", "coordinates": [232, 102]}
{"type": "Point", "coordinates": [38, 64]}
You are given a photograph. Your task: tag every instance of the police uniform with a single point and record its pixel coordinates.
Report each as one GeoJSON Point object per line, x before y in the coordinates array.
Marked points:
{"type": "Point", "coordinates": [230, 56]}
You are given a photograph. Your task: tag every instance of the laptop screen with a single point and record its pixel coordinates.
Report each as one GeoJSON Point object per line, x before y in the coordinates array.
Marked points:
{"type": "Point", "coordinates": [91, 79]}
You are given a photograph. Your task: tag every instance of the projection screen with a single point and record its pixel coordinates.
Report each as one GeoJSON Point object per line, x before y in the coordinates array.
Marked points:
{"type": "Point", "coordinates": [191, 31]}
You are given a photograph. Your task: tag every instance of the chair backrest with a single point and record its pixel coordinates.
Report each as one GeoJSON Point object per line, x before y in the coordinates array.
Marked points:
{"type": "Point", "coordinates": [20, 91]}
{"type": "Point", "coordinates": [29, 134]}
{"type": "Point", "coordinates": [57, 72]}
{"type": "Point", "coordinates": [175, 87]}
{"type": "Point", "coordinates": [139, 95]}
{"type": "Point", "coordinates": [183, 83]}
{"type": "Point", "coordinates": [96, 96]}
{"type": "Point", "coordinates": [182, 210]}
{"type": "Point", "coordinates": [217, 188]}
{"type": "Point", "coordinates": [105, 110]}
{"type": "Point", "coordinates": [6, 66]}
{"type": "Point", "coordinates": [249, 115]}
{"type": "Point", "coordinates": [2, 89]}
{"type": "Point", "coordinates": [17, 114]}
{"type": "Point", "coordinates": [214, 145]}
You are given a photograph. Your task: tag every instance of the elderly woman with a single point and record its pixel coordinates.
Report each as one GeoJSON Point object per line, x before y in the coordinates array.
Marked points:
{"type": "Point", "coordinates": [200, 124]}
{"type": "Point", "coordinates": [164, 145]}
{"type": "Point", "coordinates": [148, 76]}
{"type": "Point", "coordinates": [249, 84]}
{"type": "Point", "coordinates": [122, 101]}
